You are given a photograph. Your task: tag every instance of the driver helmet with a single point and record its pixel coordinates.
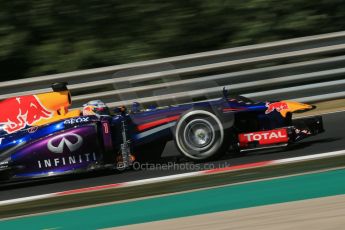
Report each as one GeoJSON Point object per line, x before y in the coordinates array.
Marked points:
{"type": "Point", "coordinates": [95, 107]}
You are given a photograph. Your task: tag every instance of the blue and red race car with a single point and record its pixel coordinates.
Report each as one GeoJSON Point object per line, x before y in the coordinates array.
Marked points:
{"type": "Point", "coordinates": [40, 137]}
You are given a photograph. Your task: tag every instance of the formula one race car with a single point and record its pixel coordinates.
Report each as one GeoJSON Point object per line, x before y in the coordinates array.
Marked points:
{"type": "Point", "coordinates": [39, 137]}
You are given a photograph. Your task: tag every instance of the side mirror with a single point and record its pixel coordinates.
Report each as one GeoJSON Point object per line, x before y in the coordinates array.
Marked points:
{"type": "Point", "coordinates": [225, 93]}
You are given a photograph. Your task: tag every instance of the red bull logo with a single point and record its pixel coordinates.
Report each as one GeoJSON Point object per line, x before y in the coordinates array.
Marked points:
{"type": "Point", "coordinates": [88, 110]}
{"type": "Point", "coordinates": [277, 106]}
{"type": "Point", "coordinates": [18, 112]}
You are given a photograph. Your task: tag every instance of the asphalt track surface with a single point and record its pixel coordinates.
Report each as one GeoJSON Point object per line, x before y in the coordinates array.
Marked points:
{"type": "Point", "coordinates": [332, 140]}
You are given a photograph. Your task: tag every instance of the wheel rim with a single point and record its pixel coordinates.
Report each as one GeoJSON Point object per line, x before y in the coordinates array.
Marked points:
{"type": "Point", "coordinates": [198, 134]}
{"type": "Point", "coordinates": [210, 149]}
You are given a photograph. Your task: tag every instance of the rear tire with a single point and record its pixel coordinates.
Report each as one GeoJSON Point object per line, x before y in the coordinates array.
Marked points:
{"type": "Point", "coordinates": [200, 136]}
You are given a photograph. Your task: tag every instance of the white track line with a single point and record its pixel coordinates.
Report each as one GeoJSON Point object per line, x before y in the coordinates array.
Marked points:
{"type": "Point", "coordinates": [26, 199]}
{"type": "Point", "coordinates": [160, 179]}
{"type": "Point", "coordinates": [310, 157]}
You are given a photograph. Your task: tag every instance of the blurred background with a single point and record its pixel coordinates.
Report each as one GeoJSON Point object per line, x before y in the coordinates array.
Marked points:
{"type": "Point", "coordinates": [45, 37]}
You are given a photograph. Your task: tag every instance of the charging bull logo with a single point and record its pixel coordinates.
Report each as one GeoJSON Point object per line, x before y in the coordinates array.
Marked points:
{"type": "Point", "coordinates": [278, 106]}
{"type": "Point", "coordinates": [18, 112]}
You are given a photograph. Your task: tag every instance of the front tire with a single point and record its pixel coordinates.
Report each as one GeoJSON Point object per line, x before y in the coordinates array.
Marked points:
{"type": "Point", "coordinates": [200, 136]}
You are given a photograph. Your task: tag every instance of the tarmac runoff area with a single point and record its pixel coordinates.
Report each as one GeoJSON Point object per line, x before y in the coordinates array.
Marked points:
{"type": "Point", "coordinates": [314, 201]}
{"type": "Point", "coordinates": [316, 214]}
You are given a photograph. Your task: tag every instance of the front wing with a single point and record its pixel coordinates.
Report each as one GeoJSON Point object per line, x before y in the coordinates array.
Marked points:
{"type": "Point", "coordinates": [280, 137]}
